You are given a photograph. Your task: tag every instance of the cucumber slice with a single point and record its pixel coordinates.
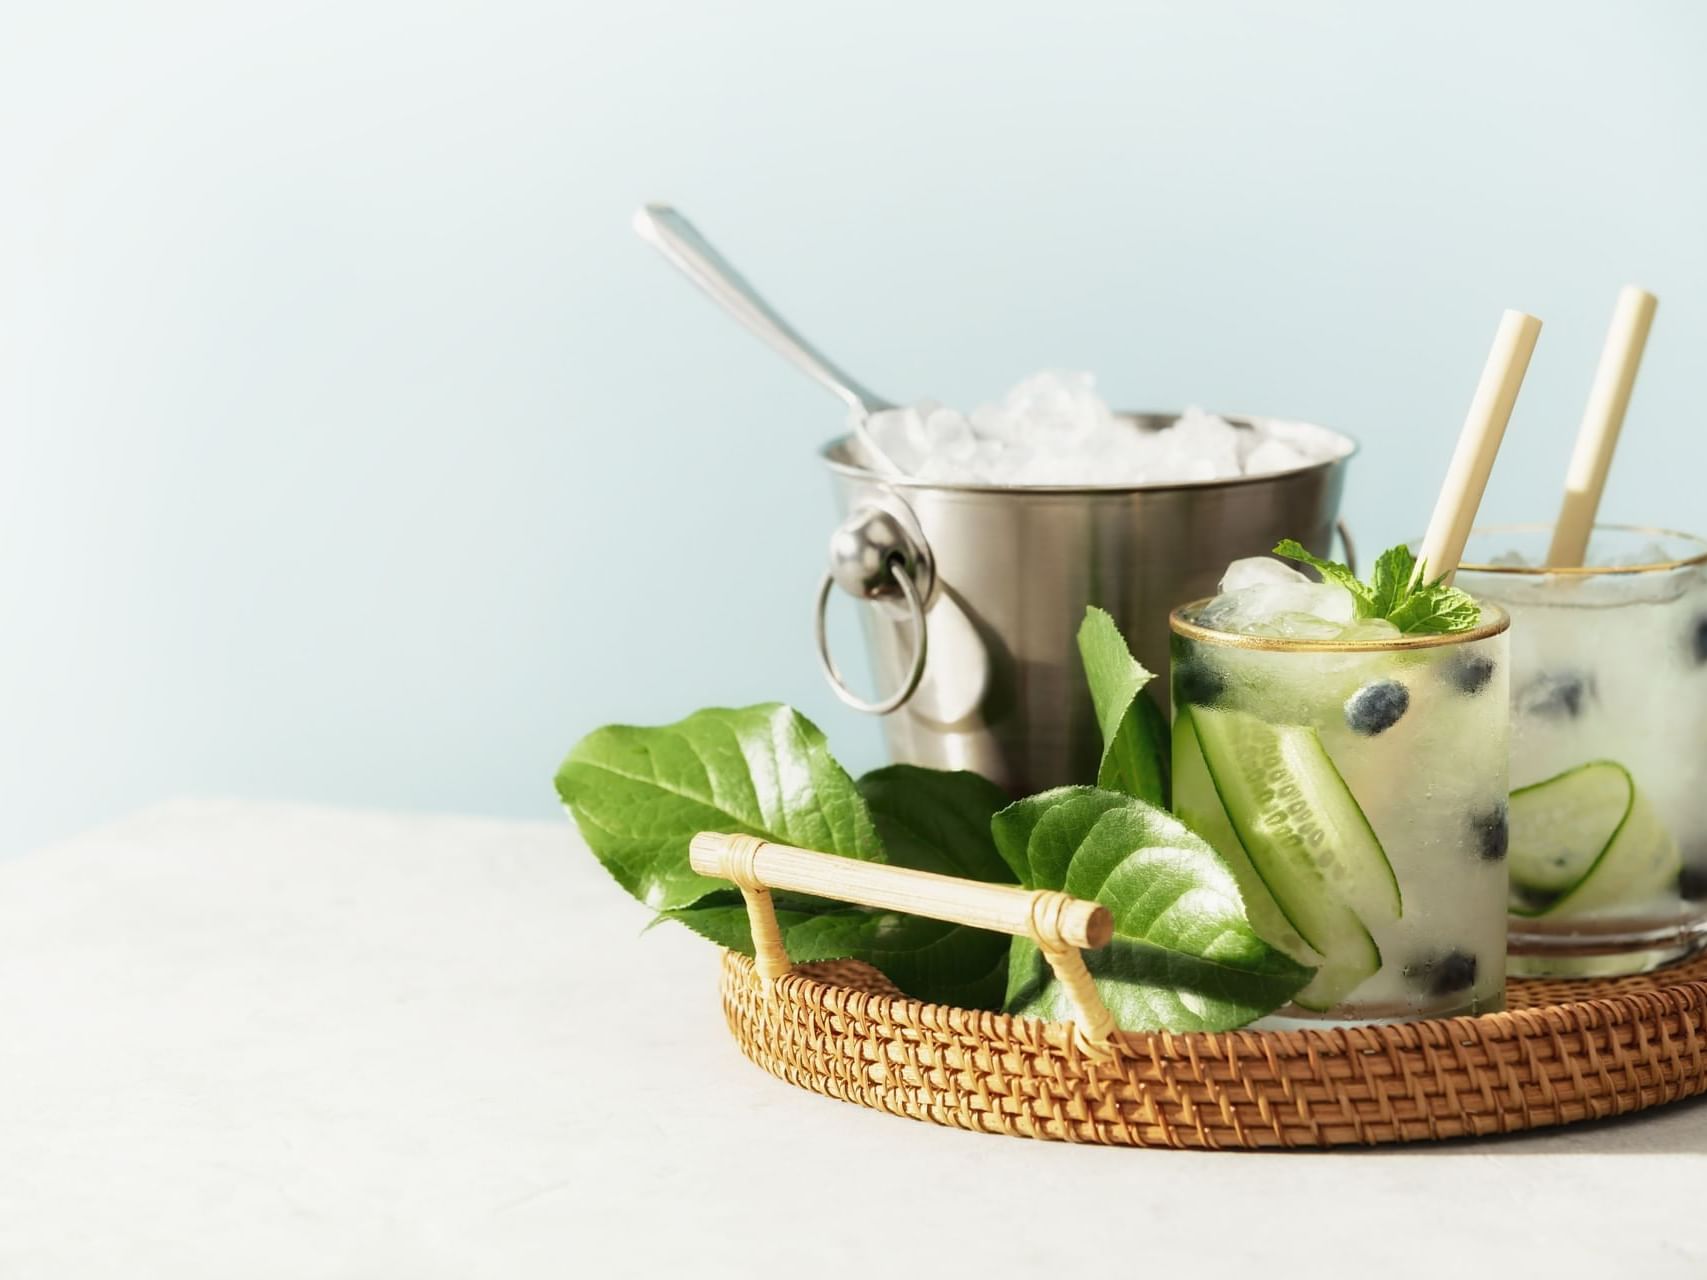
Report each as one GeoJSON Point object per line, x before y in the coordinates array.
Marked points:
{"type": "Point", "coordinates": [1560, 826]}
{"type": "Point", "coordinates": [1586, 839]}
{"type": "Point", "coordinates": [1297, 830]}
{"type": "Point", "coordinates": [1294, 812]}
{"type": "Point", "coordinates": [1198, 806]}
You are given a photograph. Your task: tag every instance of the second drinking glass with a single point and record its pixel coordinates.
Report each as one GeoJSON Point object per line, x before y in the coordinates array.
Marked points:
{"type": "Point", "coordinates": [1609, 746]}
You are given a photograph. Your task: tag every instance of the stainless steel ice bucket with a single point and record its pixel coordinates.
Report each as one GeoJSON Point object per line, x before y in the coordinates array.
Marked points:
{"type": "Point", "coordinates": [1000, 578]}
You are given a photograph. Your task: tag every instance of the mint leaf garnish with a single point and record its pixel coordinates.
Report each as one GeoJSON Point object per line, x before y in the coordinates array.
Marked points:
{"type": "Point", "coordinates": [1428, 608]}
{"type": "Point", "coordinates": [1435, 609]}
{"type": "Point", "coordinates": [1390, 581]}
{"type": "Point", "coordinates": [1331, 571]}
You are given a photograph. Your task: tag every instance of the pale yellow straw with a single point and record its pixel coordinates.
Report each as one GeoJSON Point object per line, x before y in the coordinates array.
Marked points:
{"type": "Point", "coordinates": [1478, 443]}
{"type": "Point", "coordinates": [1598, 436]}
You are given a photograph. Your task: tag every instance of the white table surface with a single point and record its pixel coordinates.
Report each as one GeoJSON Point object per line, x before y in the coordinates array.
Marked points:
{"type": "Point", "coordinates": [244, 1040]}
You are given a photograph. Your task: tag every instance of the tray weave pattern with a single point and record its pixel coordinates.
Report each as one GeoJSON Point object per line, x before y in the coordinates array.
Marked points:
{"type": "Point", "coordinates": [1562, 1052]}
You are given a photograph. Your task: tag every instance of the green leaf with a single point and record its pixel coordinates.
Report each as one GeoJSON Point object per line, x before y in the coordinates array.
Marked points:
{"type": "Point", "coordinates": [1135, 739]}
{"type": "Point", "coordinates": [1331, 571]}
{"type": "Point", "coordinates": [931, 960]}
{"type": "Point", "coordinates": [1184, 957]}
{"type": "Point", "coordinates": [721, 917]}
{"type": "Point", "coordinates": [1436, 610]}
{"type": "Point", "coordinates": [639, 795]}
{"type": "Point", "coordinates": [1427, 608]}
{"type": "Point", "coordinates": [930, 821]}
{"type": "Point", "coordinates": [1391, 581]}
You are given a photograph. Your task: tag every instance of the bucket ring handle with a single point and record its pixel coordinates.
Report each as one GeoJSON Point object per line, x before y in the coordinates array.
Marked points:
{"type": "Point", "coordinates": [897, 568]}
{"type": "Point", "coordinates": [1344, 531]}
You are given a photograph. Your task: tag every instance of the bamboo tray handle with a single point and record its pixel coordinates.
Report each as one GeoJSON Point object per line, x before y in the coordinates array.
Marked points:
{"type": "Point", "coordinates": [1058, 923]}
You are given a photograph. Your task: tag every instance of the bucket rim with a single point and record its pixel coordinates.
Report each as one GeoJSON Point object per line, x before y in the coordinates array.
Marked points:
{"type": "Point", "coordinates": [853, 471]}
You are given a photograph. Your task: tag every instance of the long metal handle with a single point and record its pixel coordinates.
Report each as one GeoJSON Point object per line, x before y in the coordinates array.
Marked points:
{"type": "Point", "coordinates": [1057, 922]}
{"type": "Point", "coordinates": [677, 239]}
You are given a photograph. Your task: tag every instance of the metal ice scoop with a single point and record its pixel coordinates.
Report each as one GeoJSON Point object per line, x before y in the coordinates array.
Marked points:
{"type": "Point", "coordinates": [675, 237]}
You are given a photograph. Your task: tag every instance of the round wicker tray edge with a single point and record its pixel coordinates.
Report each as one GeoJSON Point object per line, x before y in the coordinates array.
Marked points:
{"type": "Point", "coordinates": [1563, 1052]}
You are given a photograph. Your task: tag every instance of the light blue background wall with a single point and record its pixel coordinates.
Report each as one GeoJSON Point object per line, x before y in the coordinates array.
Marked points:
{"type": "Point", "coordinates": [351, 448]}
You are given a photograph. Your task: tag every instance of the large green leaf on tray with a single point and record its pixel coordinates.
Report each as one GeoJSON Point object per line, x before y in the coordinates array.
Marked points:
{"type": "Point", "coordinates": [1184, 957]}
{"type": "Point", "coordinates": [639, 795]}
{"type": "Point", "coordinates": [938, 821]}
{"type": "Point", "coordinates": [1134, 735]}
{"type": "Point", "coordinates": [933, 961]}
{"type": "Point", "coordinates": [932, 820]}
{"type": "Point", "coordinates": [929, 821]}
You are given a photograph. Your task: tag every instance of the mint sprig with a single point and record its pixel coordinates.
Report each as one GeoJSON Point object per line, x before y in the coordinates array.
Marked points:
{"type": "Point", "coordinates": [1428, 608]}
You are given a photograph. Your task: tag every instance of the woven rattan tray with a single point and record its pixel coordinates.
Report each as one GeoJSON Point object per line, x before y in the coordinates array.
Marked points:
{"type": "Point", "coordinates": [1564, 1051]}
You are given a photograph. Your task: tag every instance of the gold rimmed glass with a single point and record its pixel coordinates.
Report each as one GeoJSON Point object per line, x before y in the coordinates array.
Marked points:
{"type": "Point", "coordinates": [1608, 745]}
{"type": "Point", "coordinates": [1319, 766]}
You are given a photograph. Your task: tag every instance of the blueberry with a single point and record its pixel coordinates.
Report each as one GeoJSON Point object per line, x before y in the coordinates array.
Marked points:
{"type": "Point", "coordinates": [1441, 975]}
{"type": "Point", "coordinates": [1700, 640]}
{"type": "Point", "coordinates": [1377, 706]}
{"type": "Point", "coordinates": [1692, 884]}
{"type": "Point", "coordinates": [1493, 835]}
{"type": "Point", "coordinates": [1470, 672]}
{"type": "Point", "coordinates": [1559, 696]}
{"type": "Point", "coordinates": [1197, 684]}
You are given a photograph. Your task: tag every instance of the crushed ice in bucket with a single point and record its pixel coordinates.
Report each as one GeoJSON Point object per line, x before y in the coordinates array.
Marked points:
{"type": "Point", "coordinates": [1053, 429]}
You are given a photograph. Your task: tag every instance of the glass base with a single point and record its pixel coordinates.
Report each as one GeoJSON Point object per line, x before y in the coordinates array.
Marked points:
{"type": "Point", "coordinates": [1599, 948]}
{"type": "Point", "coordinates": [1292, 1018]}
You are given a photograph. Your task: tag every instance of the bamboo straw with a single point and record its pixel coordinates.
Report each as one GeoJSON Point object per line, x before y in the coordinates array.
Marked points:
{"type": "Point", "coordinates": [1608, 399]}
{"type": "Point", "coordinates": [1478, 443]}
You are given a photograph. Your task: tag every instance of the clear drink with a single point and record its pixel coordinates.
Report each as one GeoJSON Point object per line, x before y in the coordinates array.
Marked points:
{"type": "Point", "coordinates": [1358, 788]}
{"type": "Point", "coordinates": [1608, 746]}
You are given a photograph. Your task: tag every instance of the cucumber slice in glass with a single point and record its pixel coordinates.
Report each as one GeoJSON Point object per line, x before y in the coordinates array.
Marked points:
{"type": "Point", "coordinates": [1304, 837]}
{"type": "Point", "coordinates": [1586, 839]}
{"type": "Point", "coordinates": [1339, 975]}
{"type": "Point", "coordinates": [1198, 806]}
